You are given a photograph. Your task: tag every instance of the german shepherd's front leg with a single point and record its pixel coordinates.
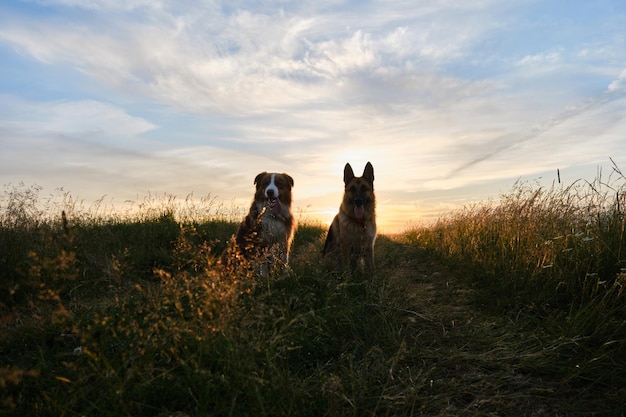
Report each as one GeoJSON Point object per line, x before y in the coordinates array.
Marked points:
{"type": "Point", "coordinates": [369, 258]}
{"type": "Point", "coordinates": [348, 261]}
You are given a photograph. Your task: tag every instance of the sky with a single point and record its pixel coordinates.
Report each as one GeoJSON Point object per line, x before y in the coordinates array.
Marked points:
{"type": "Point", "coordinates": [451, 101]}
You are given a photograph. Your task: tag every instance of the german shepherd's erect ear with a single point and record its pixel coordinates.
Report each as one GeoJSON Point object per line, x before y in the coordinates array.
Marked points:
{"type": "Point", "coordinates": [348, 174]}
{"type": "Point", "coordinates": [368, 174]}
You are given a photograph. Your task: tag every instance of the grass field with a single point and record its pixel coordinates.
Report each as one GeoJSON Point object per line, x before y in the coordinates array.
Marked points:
{"type": "Point", "coordinates": [514, 307]}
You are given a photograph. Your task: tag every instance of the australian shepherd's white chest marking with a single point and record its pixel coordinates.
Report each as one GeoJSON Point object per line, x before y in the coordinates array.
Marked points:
{"type": "Point", "coordinates": [352, 233]}
{"type": "Point", "coordinates": [264, 237]}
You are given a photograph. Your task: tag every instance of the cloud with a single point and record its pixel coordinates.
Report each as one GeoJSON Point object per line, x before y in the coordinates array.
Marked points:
{"type": "Point", "coordinates": [333, 59]}
{"type": "Point", "coordinates": [579, 135]}
{"type": "Point", "coordinates": [87, 120]}
{"type": "Point", "coordinates": [85, 142]}
{"type": "Point", "coordinates": [103, 5]}
{"type": "Point", "coordinates": [619, 84]}
{"type": "Point", "coordinates": [543, 58]}
{"type": "Point", "coordinates": [210, 59]}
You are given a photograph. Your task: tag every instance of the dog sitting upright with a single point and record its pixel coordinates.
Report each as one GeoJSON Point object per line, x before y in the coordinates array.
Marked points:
{"type": "Point", "coordinates": [352, 233]}
{"type": "Point", "coordinates": [264, 237]}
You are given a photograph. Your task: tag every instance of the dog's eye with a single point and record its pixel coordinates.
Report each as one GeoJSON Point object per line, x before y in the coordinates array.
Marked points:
{"type": "Point", "coordinates": [352, 189]}
{"type": "Point", "coordinates": [363, 188]}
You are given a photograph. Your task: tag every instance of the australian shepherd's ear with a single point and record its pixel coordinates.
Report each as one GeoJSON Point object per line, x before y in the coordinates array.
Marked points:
{"type": "Point", "coordinates": [265, 236]}
{"type": "Point", "coordinates": [352, 233]}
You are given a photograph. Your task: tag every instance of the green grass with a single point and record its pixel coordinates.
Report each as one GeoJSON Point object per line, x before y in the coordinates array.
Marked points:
{"type": "Point", "coordinates": [513, 308]}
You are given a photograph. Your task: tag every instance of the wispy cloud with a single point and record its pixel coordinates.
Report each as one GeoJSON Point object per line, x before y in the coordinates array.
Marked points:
{"type": "Point", "coordinates": [236, 62]}
{"type": "Point", "coordinates": [542, 58]}
{"type": "Point", "coordinates": [603, 122]}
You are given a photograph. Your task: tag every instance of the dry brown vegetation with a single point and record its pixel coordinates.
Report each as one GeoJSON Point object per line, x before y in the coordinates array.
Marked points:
{"type": "Point", "coordinates": [514, 308]}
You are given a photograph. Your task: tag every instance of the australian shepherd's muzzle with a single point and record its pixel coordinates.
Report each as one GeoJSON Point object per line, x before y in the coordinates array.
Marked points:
{"type": "Point", "coordinates": [352, 233]}
{"type": "Point", "coordinates": [264, 237]}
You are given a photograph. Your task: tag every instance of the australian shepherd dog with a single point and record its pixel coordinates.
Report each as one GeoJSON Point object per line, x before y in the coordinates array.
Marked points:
{"type": "Point", "coordinates": [353, 231]}
{"type": "Point", "coordinates": [264, 237]}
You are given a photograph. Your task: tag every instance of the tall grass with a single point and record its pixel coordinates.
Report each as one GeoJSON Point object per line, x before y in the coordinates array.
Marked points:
{"type": "Point", "coordinates": [563, 246]}
{"type": "Point", "coordinates": [553, 259]}
{"type": "Point", "coordinates": [131, 315]}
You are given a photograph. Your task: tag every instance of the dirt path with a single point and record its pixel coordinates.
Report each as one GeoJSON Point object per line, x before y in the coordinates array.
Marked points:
{"type": "Point", "coordinates": [477, 364]}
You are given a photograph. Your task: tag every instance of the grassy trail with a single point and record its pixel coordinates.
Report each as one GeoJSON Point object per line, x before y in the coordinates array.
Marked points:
{"type": "Point", "coordinates": [475, 362]}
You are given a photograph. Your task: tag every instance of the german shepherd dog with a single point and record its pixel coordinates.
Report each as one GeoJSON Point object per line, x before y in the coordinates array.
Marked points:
{"type": "Point", "coordinates": [265, 235]}
{"type": "Point", "coordinates": [353, 231]}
